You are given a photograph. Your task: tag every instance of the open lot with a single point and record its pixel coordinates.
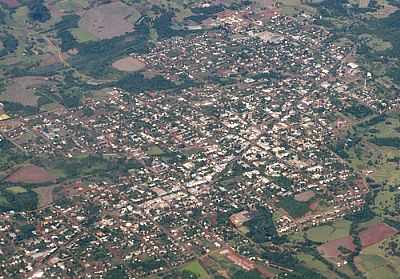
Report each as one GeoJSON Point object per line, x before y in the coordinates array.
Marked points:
{"type": "Point", "coordinates": [129, 64]}
{"type": "Point", "coordinates": [305, 196]}
{"type": "Point", "coordinates": [45, 194]}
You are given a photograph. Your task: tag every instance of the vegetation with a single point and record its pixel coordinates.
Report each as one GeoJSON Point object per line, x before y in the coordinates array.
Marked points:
{"type": "Point", "coordinates": [294, 208]}
{"type": "Point", "coordinates": [38, 11]}
{"type": "Point", "coordinates": [261, 227]}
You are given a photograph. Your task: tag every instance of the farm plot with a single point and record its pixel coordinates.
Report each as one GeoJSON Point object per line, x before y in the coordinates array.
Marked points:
{"type": "Point", "coordinates": [31, 174]}
{"type": "Point", "coordinates": [376, 233]}
{"type": "Point", "coordinates": [329, 232]}
{"type": "Point", "coordinates": [108, 21]}
{"type": "Point", "coordinates": [196, 268]}
{"type": "Point", "coordinates": [334, 249]}
{"type": "Point", "coordinates": [22, 90]}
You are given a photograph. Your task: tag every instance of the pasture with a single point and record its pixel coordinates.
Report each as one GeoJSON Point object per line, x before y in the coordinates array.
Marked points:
{"type": "Point", "coordinates": [196, 268]}
{"type": "Point", "coordinates": [16, 189]}
{"type": "Point", "coordinates": [22, 90]}
{"type": "Point", "coordinates": [108, 21]}
{"type": "Point", "coordinates": [325, 233]}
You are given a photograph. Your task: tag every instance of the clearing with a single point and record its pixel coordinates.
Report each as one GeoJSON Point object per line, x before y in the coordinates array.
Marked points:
{"type": "Point", "coordinates": [129, 64]}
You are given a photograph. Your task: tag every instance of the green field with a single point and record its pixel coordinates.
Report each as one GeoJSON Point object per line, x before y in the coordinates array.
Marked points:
{"type": "Point", "coordinates": [155, 151]}
{"type": "Point", "coordinates": [196, 268]}
{"type": "Point", "coordinates": [16, 189]}
{"type": "Point", "coordinates": [376, 262]}
{"type": "Point", "coordinates": [82, 36]}
{"type": "Point", "coordinates": [380, 160]}
{"type": "Point", "coordinates": [3, 202]}
{"type": "Point", "coordinates": [326, 233]}
{"type": "Point", "coordinates": [385, 202]}
{"type": "Point", "coordinates": [317, 265]}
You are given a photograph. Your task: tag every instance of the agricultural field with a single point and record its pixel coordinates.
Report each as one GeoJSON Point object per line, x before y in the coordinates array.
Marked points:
{"type": "Point", "coordinates": [317, 265]}
{"type": "Point", "coordinates": [375, 233]}
{"type": "Point", "coordinates": [338, 248]}
{"type": "Point", "coordinates": [22, 90]}
{"type": "Point", "coordinates": [376, 150]}
{"type": "Point", "coordinates": [31, 174]}
{"type": "Point", "coordinates": [196, 268]}
{"type": "Point", "coordinates": [109, 20]}
{"type": "Point", "coordinates": [325, 233]}
{"type": "Point", "coordinates": [381, 260]}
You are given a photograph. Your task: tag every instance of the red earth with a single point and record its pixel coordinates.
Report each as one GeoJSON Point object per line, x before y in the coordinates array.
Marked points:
{"type": "Point", "coordinates": [330, 249]}
{"type": "Point", "coordinates": [31, 174]}
{"type": "Point", "coordinates": [375, 233]}
{"type": "Point", "coordinates": [10, 3]}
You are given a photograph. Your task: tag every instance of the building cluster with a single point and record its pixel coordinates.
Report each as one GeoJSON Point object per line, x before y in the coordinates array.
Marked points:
{"type": "Point", "coordinates": [254, 129]}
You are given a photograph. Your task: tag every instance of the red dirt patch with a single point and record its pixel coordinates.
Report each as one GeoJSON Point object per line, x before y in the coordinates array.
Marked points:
{"type": "Point", "coordinates": [129, 64]}
{"type": "Point", "coordinates": [375, 233]}
{"type": "Point", "coordinates": [330, 249]}
{"type": "Point", "coordinates": [31, 175]}
{"type": "Point", "coordinates": [10, 3]}
{"type": "Point", "coordinates": [305, 196]}
{"type": "Point", "coordinates": [45, 195]}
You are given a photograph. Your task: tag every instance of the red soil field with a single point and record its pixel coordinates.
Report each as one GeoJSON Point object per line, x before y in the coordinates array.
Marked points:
{"type": "Point", "coordinates": [31, 174]}
{"type": "Point", "coordinates": [330, 249]}
{"type": "Point", "coordinates": [376, 233]}
{"type": "Point", "coordinates": [10, 3]}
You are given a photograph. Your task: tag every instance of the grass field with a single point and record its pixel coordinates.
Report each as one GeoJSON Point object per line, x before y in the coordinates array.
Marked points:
{"type": "Point", "coordinates": [155, 151]}
{"type": "Point", "coordinates": [16, 189]}
{"type": "Point", "coordinates": [3, 201]}
{"type": "Point", "coordinates": [326, 233]}
{"type": "Point", "coordinates": [82, 36]}
{"type": "Point", "coordinates": [385, 202]}
{"type": "Point", "coordinates": [379, 160]}
{"type": "Point", "coordinates": [376, 262]}
{"type": "Point", "coordinates": [196, 268]}
{"type": "Point", "coordinates": [316, 265]}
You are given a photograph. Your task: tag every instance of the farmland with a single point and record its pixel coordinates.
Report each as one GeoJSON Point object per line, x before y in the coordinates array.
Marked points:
{"type": "Point", "coordinates": [31, 174]}
{"type": "Point", "coordinates": [196, 268]}
{"type": "Point", "coordinates": [22, 90]}
{"type": "Point", "coordinates": [108, 21]}
{"type": "Point", "coordinates": [325, 233]}
{"type": "Point", "coordinates": [380, 260]}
